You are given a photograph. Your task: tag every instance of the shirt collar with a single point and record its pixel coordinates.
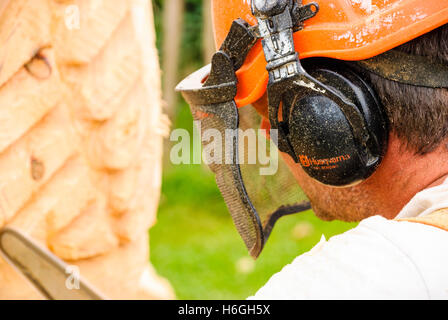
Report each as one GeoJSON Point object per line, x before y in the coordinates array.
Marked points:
{"type": "Point", "coordinates": [426, 202]}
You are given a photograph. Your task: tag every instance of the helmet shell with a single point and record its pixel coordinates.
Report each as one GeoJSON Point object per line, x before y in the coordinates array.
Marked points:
{"type": "Point", "coordinates": [342, 29]}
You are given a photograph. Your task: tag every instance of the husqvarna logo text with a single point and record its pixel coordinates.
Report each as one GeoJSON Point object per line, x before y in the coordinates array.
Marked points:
{"type": "Point", "coordinates": [330, 163]}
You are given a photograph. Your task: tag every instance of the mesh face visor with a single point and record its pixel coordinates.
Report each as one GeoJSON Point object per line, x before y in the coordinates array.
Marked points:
{"type": "Point", "coordinates": [256, 185]}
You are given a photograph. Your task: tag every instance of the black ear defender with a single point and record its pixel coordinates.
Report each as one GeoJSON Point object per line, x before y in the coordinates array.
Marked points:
{"type": "Point", "coordinates": [333, 123]}
{"type": "Point", "coordinates": [321, 133]}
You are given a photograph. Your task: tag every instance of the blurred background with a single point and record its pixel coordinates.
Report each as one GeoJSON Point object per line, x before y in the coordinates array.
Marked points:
{"type": "Point", "coordinates": [194, 244]}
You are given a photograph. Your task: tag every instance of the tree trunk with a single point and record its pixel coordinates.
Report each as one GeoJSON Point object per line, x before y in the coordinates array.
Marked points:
{"type": "Point", "coordinates": [208, 38]}
{"type": "Point", "coordinates": [81, 139]}
{"type": "Point", "coordinates": [173, 11]}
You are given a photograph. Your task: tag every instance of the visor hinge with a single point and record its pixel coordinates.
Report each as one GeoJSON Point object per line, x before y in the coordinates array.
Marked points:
{"type": "Point", "coordinates": [240, 39]}
{"type": "Point", "coordinates": [217, 83]}
{"type": "Point", "coordinates": [231, 55]}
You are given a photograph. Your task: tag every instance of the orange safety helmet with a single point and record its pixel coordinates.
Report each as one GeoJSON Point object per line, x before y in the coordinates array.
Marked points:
{"type": "Point", "coordinates": [343, 29]}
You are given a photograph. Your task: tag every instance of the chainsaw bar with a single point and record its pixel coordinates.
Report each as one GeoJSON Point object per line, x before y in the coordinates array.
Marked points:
{"type": "Point", "coordinates": [52, 277]}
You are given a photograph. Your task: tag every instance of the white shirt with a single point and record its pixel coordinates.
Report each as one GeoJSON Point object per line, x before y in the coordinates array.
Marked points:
{"type": "Point", "coordinates": [379, 259]}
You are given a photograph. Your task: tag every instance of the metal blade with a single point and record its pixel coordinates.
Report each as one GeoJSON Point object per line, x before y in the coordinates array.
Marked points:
{"type": "Point", "coordinates": [50, 275]}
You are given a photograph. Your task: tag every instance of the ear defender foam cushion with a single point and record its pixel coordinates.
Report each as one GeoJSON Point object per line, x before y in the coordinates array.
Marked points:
{"type": "Point", "coordinates": [321, 134]}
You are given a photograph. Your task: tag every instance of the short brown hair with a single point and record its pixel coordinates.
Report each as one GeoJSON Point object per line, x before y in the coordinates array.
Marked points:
{"type": "Point", "coordinates": [417, 115]}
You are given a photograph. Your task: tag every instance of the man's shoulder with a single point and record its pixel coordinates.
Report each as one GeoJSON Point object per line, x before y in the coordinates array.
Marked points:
{"type": "Point", "coordinates": [429, 231]}
{"type": "Point", "coordinates": [380, 258]}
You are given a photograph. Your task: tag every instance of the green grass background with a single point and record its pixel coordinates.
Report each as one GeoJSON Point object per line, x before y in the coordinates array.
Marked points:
{"type": "Point", "coordinates": [196, 247]}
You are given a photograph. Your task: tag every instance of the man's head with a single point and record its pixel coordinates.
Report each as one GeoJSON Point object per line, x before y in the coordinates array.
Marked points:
{"type": "Point", "coordinates": [418, 117]}
{"type": "Point", "coordinates": [417, 154]}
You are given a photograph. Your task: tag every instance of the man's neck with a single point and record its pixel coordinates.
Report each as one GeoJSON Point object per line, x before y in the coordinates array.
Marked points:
{"type": "Point", "coordinates": [403, 174]}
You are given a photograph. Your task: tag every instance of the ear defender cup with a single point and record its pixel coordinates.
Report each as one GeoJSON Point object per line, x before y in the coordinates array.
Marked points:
{"type": "Point", "coordinates": [321, 135]}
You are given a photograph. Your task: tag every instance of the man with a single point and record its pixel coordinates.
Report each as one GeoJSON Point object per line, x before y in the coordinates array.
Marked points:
{"type": "Point", "coordinates": [399, 250]}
